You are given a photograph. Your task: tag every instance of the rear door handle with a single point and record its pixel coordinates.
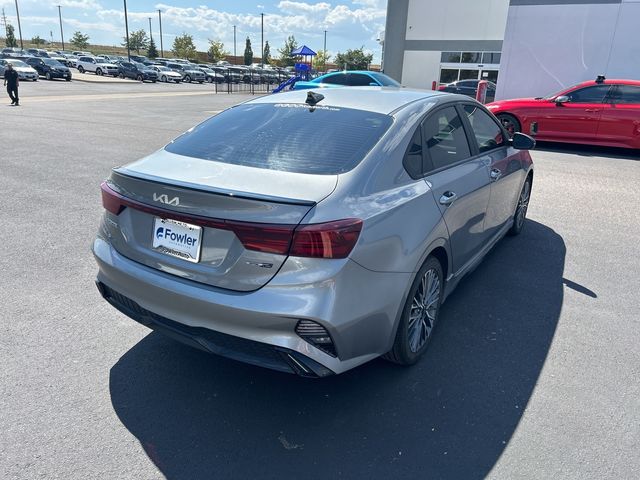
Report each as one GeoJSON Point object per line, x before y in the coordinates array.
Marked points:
{"type": "Point", "coordinates": [495, 174]}
{"type": "Point", "coordinates": [447, 198]}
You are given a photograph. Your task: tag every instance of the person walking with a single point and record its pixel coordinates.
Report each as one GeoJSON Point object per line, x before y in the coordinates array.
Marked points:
{"type": "Point", "coordinates": [11, 81]}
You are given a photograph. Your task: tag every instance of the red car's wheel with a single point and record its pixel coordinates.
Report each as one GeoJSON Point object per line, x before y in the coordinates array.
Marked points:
{"type": "Point", "coordinates": [509, 122]}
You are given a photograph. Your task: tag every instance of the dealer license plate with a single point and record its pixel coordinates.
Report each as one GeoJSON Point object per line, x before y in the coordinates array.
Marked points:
{"type": "Point", "coordinates": [177, 239]}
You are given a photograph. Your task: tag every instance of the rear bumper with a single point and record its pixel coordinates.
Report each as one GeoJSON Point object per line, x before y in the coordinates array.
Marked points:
{"type": "Point", "coordinates": [358, 307]}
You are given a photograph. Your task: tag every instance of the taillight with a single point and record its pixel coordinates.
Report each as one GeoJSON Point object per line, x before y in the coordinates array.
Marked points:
{"type": "Point", "coordinates": [442, 87]}
{"type": "Point", "coordinates": [262, 237]}
{"type": "Point", "coordinates": [111, 200]}
{"type": "Point", "coordinates": [326, 240]}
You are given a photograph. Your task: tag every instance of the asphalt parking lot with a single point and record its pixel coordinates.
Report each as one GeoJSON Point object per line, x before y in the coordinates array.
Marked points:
{"type": "Point", "coordinates": [533, 372]}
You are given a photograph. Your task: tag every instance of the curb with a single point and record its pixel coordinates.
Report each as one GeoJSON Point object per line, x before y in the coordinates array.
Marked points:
{"type": "Point", "coordinates": [87, 79]}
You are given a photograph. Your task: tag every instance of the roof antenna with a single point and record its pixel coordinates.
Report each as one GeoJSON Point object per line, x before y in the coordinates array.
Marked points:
{"type": "Point", "coordinates": [313, 98]}
{"type": "Point", "coordinates": [600, 79]}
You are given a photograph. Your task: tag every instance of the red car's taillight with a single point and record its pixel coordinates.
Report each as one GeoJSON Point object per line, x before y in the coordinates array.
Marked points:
{"type": "Point", "coordinates": [326, 240]}
{"type": "Point", "coordinates": [333, 239]}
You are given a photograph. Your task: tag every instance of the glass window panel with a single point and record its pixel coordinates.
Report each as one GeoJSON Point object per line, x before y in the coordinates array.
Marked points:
{"type": "Point", "coordinates": [471, 57]}
{"type": "Point", "coordinates": [448, 75]}
{"type": "Point", "coordinates": [450, 57]}
{"type": "Point", "coordinates": [445, 139]}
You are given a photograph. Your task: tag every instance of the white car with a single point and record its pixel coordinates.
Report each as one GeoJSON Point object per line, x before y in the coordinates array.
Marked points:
{"type": "Point", "coordinates": [165, 74]}
{"type": "Point", "coordinates": [98, 66]}
{"type": "Point", "coordinates": [25, 72]}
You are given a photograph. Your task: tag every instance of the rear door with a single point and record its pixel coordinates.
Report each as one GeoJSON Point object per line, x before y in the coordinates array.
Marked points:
{"type": "Point", "coordinates": [459, 181]}
{"type": "Point", "coordinates": [576, 120]}
{"type": "Point", "coordinates": [620, 120]}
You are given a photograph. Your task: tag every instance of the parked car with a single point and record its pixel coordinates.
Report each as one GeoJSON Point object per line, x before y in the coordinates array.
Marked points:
{"type": "Point", "coordinates": [165, 74]}
{"type": "Point", "coordinates": [50, 68]}
{"type": "Point", "coordinates": [136, 71]}
{"type": "Point", "coordinates": [368, 209]}
{"type": "Point", "coordinates": [210, 75]}
{"type": "Point", "coordinates": [96, 65]}
{"type": "Point", "coordinates": [37, 52]}
{"type": "Point", "coordinates": [139, 58]}
{"type": "Point", "coordinates": [469, 88]}
{"type": "Point", "coordinates": [601, 112]}
{"type": "Point", "coordinates": [188, 72]}
{"type": "Point", "coordinates": [72, 61]}
{"type": "Point", "coordinates": [79, 53]}
{"type": "Point", "coordinates": [355, 78]}
{"type": "Point", "coordinates": [25, 72]}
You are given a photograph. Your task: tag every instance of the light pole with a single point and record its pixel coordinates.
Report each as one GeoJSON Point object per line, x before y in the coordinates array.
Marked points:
{"type": "Point", "coordinates": [261, 39]}
{"type": "Point", "coordinates": [19, 28]}
{"type": "Point", "coordinates": [324, 51]}
{"type": "Point", "coordinates": [160, 21]}
{"type": "Point", "coordinates": [126, 26]}
{"type": "Point", "coordinates": [61, 32]}
{"type": "Point", "coordinates": [150, 33]}
{"type": "Point", "coordinates": [235, 56]}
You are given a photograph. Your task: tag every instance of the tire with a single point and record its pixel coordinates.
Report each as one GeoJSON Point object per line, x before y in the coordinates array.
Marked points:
{"type": "Point", "coordinates": [419, 314]}
{"type": "Point", "coordinates": [68, 79]}
{"type": "Point", "coordinates": [521, 209]}
{"type": "Point", "coordinates": [163, 79]}
{"type": "Point", "coordinates": [510, 123]}
{"type": "Point", "coordinates": [48, 76]}
{"type": "Point", "coordinates": [140, 78]}
{"type": "Point", "coordinates": [99, 71]}
{"type": "Point", "coordinates": [153, 81]}
{"type": "Point", "coordinates": [81, 69]}
{"type": "Point", "coordinates": [210, 80]}
{"type": "Point", "coordinates": [200, 82]}
{"type": "Point", "coordinates": [187, 79]}
{"type": "Point", "coordinates": [121, 75]}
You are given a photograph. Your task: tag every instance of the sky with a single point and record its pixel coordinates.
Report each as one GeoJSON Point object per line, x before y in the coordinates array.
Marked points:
{"type": "Point", "coordinates": [349, 23]}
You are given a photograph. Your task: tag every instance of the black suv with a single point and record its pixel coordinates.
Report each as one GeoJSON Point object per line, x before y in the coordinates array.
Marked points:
{"type": "Point", "coordinates": [49, 68]}
{"type": "Point", "coordinates": [136, 71]}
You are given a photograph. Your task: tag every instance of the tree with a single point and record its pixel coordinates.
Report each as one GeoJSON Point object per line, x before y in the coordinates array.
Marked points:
{"type": "Point", "coordinates": [11, 36]}
{"type": "Point", "coordinates": [248, 53]}
{"type": "Point", "coordinates": [138, 40]}
{"type": "Point", "coordinates": [320, 61]}
{"type": "Point", "coordinates": [267, 53]}
{"type": "Point", "coordinates": [290, 44]}
{"type": "Point", "coordinates": [216, 51]}
{"type": "Point", "coordinates": [80, 41]}
{"type": "Point", "coordinates": [152, 51]}
{"type": "Point", "coordinates": [354, 59]}
{"type": "Point", "coordinates": [183, 46]}
{"type": "Point", "coordinates": [37, 40]}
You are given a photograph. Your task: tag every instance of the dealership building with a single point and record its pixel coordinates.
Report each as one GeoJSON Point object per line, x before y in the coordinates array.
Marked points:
{"type": "Point", "coordinates": [528, 47]}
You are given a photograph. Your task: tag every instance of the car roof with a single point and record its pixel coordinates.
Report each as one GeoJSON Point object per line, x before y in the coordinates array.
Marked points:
{"type": "Point", "coordinates": [612, 81]}
{"type": "Point", "coordinates": [383, 100]}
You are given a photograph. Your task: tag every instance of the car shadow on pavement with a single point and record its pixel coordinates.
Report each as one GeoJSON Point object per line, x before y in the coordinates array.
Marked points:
{"type": "Point", "coordinates": [449, 416]}
{"type": "Point", "coordinates": [589, 150]}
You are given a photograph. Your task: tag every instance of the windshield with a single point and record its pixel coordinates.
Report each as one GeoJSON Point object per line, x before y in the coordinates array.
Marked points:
{"type": "Point", "coordinates": [17, 63]}
{"type": "Point", "coordinates": [557, 94]}
{"type": "Point", "coordinates": [175, 66]}
{"type": "Point", "coordinates": [385, 80]}
{"type": "Point", "coordinates": [286, 137]}
{"type": "Point", "coordinates": [52, 63]}
{"type": "Point", "coordinates": [164, 69]}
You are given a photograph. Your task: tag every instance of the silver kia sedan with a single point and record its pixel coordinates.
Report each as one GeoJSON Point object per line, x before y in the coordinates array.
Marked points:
{"type": "Point", "coordinates": [310, 233]}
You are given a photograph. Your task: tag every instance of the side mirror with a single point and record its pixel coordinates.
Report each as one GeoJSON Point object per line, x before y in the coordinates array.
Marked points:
{"type": "Point", "coordinates": [561, 99]}
{"type": "Point", "coordinates": [520, 141]}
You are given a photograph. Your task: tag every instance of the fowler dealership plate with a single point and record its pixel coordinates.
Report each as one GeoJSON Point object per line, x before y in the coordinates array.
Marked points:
{"type": "Point", "coordinates": [177, 239]}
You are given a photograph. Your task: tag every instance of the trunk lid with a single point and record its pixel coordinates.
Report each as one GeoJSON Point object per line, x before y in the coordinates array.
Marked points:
{"type": "Point", "coordinates": [243, 216]}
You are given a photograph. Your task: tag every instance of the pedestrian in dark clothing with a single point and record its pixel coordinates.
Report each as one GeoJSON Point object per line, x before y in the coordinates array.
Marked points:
{"type": "Point", "coordinates": [11, 81]}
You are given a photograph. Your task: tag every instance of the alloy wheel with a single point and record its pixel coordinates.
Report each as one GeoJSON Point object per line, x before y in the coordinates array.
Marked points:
{"type": "Point", "coordinates": [523, 204]}
{"type": "Point", "coordinates": [424, 309]}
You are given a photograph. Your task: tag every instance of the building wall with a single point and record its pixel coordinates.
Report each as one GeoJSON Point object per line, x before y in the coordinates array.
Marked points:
{"type": "Point", "coordinates": [553, 44]}
{"type": "Point", "coordinates": [418, 31]}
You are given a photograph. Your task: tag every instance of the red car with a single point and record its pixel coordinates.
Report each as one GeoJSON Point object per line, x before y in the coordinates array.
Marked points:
{"type": "Point", "coordinates": [601, 112]}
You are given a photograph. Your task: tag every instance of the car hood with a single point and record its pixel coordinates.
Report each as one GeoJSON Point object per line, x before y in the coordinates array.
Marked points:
{"type": "Point", "coordinates": [514, 101]}
{"type": "Point", "coordinates": [107, 64]}
{"type": "Point", "coordinates": [24, 69]}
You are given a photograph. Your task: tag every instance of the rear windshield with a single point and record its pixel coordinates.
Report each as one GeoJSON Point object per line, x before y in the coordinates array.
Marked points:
{"type": "Point", "coordinates": [286, 137]}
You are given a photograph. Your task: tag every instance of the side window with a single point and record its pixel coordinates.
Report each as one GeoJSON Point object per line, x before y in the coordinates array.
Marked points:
{"type": "Point", "coordinates": [626, 94]}
{"type": "Point", "coordinates": [486, 131]}
{"type": "Point", "coordinates": [413, 158]}
{"type": "Point", "coordinates": [340, 79]}
{"type": "Point", "coordinates": [445, 140]}
{"type": "Point", "coordinates": [359, 80]}
{"type": "Point", "coordinates": [595, 94]}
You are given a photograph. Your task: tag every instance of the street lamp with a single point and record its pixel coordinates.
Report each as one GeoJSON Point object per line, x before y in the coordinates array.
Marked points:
{"type": "Point", "coordinates": [150, 33]}
{"type": "Point", "coordinates": [61, 32]}
{"type": "Point", "coordinates": [19, 28]}
{"type": "Point", "coordinates": [160, 21]}
{"type": "Point", "coordinates": [235, 56]}
{"type": "Point", "coordinates": [324, 51]}
{"type": "Point", "coordinates": [126, 26]}
{"type": "Point", "coordinates": [262, 39]}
